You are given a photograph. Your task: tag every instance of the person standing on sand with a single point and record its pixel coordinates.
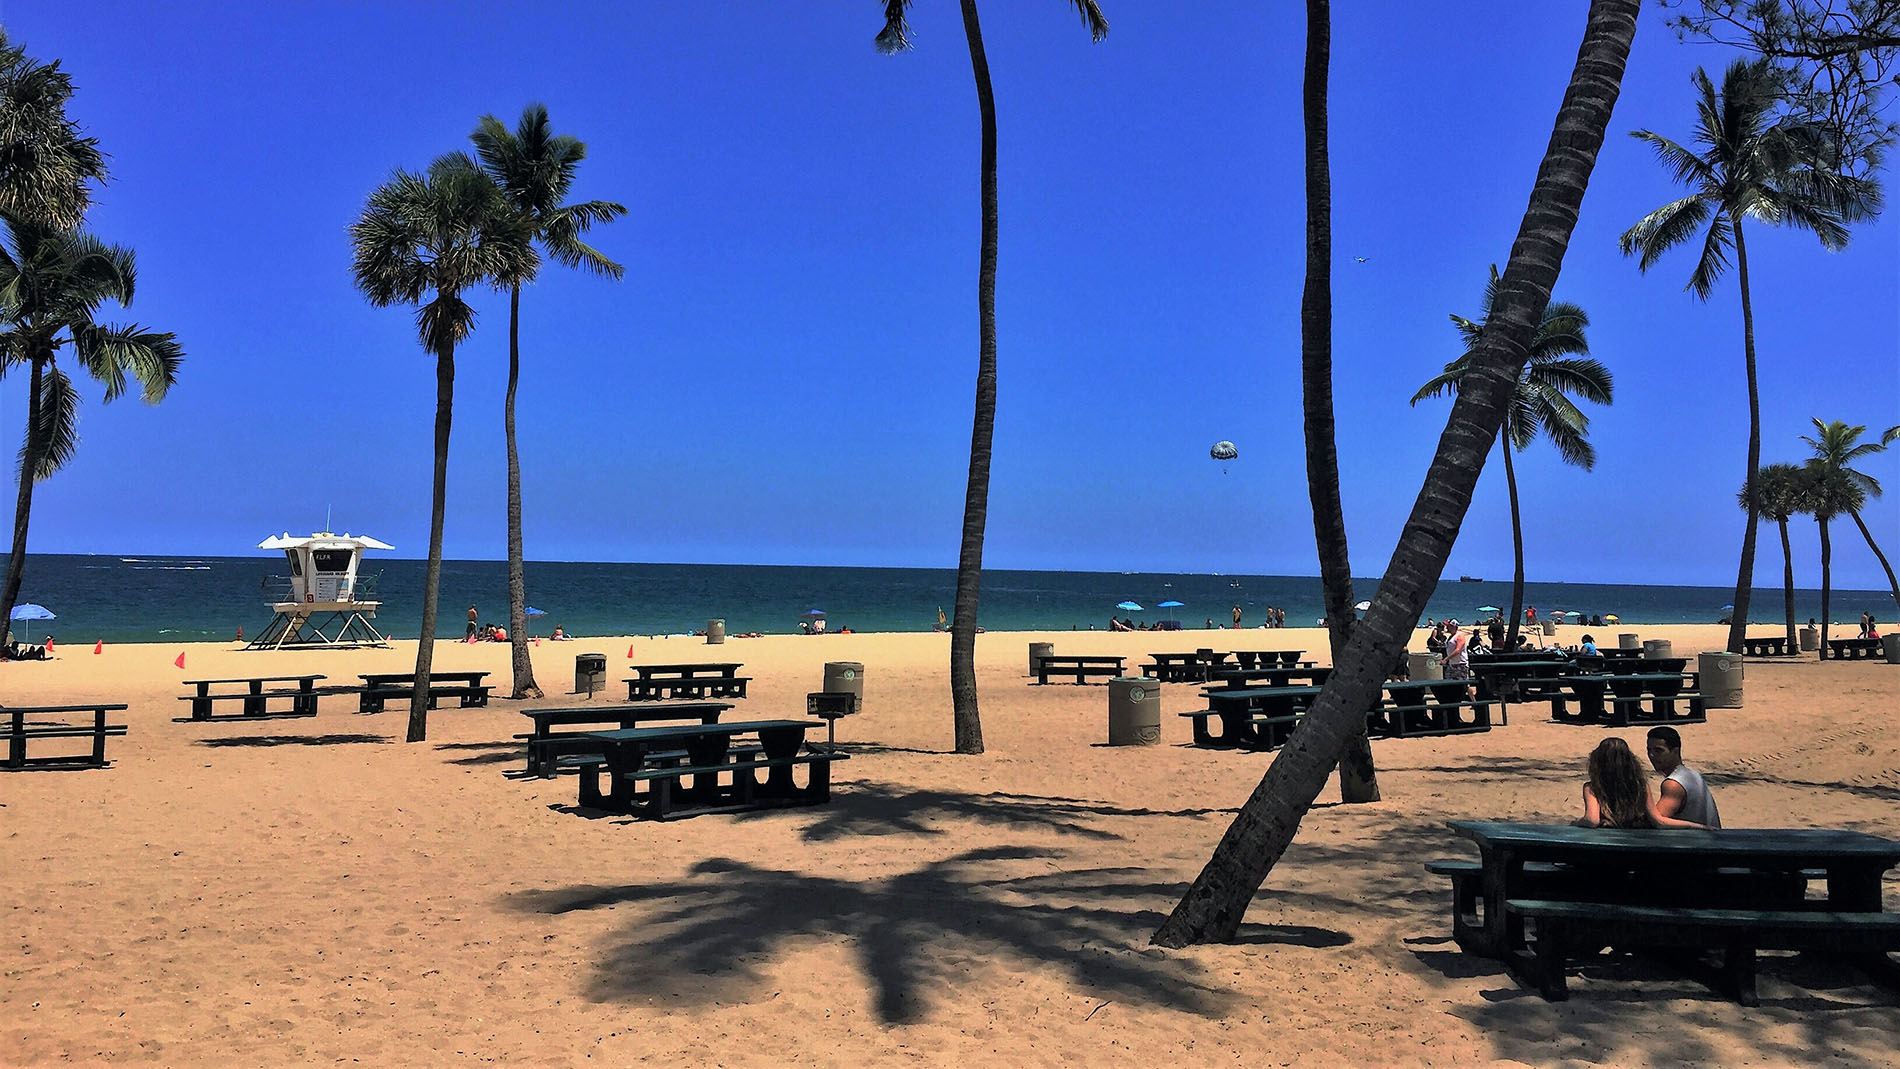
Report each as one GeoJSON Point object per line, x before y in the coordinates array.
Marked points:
{"type": "Point", "coordinates": [469, 635]}
{"type": "Point", "coordinates": [1237, 616]}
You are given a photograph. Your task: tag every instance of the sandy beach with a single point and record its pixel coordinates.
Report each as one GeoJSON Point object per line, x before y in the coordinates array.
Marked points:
{"type": "Point", "coordinates": [315, 890]}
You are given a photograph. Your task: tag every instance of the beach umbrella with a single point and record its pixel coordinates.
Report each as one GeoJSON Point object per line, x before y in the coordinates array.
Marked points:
{"type": "Point", "coordinates": [1489, 608]}
{"type": "Point", "coordinates": [812, 612]}
{"type": "Point", "coordinates": [1363, 606]}
{"type": "Point", "coordinates": [30, 611]}
{"type": "Point", "coordinates": [1129, 606]}
{"type": "Point", "coordinates": [1728, 608]}
{"type": "Point", "coordinates": [532, 611]}
{"type": "Point", "coordinates": [1170, 605]}
{"type": "Point", "coordinates": [1610, 617]}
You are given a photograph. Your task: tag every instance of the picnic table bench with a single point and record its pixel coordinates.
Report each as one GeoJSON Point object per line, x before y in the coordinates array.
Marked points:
{"type": "Point", "coordinates": [1766, 647]}
{"type": "Point", "coordinates": [1634, 698]}
{"type": "Point", "coordinates": [547, 747]}
{"type": "Point", "coordinates": [1618, 653]}
{"type": "Point", "coordinates": [1264, 717]}
{"type": "Point", "coordinates": [1273, 676]}
{"type": "Point", "coordinates": [688, 682]}
{"type": "Point", "coordinates": [1852, 649]}
{"type": "Point", "coordinates": [1177, 667]}
{"type": "Point", "coordinates": [1417, 708]}
{"type": "Point", "coordinates": [18, 732]}
{"type": "Point", "coordinates": [1082, 667]}
{"type": "Point", "coordinates": [1521, 680]}
{"type": "Point", "coordinates": [381, 687]}
{"type": "Point", "coordinates": [1254, 717]}
{"type": "Point", "coordinates": [255, 699]}
{"type": "Point", "coordinates": [648, 769]}
{"type": "Point", "coordinates": [1735, 890]}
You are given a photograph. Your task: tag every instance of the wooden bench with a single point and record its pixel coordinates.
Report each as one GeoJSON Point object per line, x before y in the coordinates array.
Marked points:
{"type": "Point", "coordinates": [1434, 718]}
{"type": "Point", "coordinates": [685, 688]}
{"type": "Point", "coordinates": [1563, 927]}
{"type": "Point", "coordinates": [255, 699]}
{"type": "Point", "coordinates": [547, 747]}
{"type": "Point", "coordinates": [1633, 699]}
{"type": "Point", "coordinates": [1083, 668]}
{"type": "Point", "coordinates": [667, 796]}
{"type": "Point", "coordinates": [17, 731]}
{"type": "Point", "coordinates": [374, 698]}
{"type": "Point", "coordinates": [1853, 649]}
{"type": "Point", "coordinates": [1766, 647]}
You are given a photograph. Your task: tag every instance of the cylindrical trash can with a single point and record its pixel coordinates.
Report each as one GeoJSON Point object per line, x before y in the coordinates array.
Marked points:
{"type": "Point", "coordinates": [1655, 649]}
{"type": "Point", "coordinates": [845, 677]}
{"type": "Point", "coordinates": [1134, 712]}
{"type": "Point", "coordinates": [1721, 679]}
{"type": "Point", "coordinates": [1890, 645]}
{"type": "Point", "coordinates": [1550, 627]}
{"type": "Point", "coordinates": [715, 632]}
{"type": "Point", "coordinates": [1037, 651]}
{"type": "Point", "coordinates": [1810, 639]}
{"type": "Point", "coordinates": [590, 673]}
{"type": "Point", "coordinates": [1628, 641]}
{"type": "Point", "coordinates": [1426, 665]}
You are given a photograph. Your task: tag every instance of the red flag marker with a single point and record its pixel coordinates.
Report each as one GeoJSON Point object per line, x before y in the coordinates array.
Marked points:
{"type": "Point", "coordinates": [49, 643]}
{"type": "Point", "coordinates": [180, 662]}
{"type": "Point", "coordinates": [629, 653]}
{"type": "Point", "coordinates": [99, 646]}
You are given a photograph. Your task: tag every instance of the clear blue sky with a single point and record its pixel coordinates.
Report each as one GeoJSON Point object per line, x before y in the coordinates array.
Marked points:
{"type": "Point", "coordinates": [785, 374]}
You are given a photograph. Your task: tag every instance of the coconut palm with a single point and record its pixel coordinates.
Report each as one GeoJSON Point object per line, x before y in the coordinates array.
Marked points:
{"type": "Point", "coordinates": [1779, 492]}
{"type": "Point", "coordinates": [1559, 365]}
{"type": "Point", "coordinates": [535, 170]}
{"type": "Point", "coordinates": [1831, 492]}
{"type": "Point", "coordinates": [1216, 903]}
{"type": "Point", "coordinates": [1751, 167]}
{"type": "Point", "coordinates": [1837, 447]}
{"type": "Point", "coordinates": [425, 239]}
{"type": "Point", "coordinates": [47, 168]}
{"type": "Point", "coordinates": [894, 37]}
{"type": "Point", "coordinates": [52, 284]}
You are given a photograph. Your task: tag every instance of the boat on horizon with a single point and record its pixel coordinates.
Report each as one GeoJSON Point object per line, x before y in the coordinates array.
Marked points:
{"type": "Point", "coordinates": [1469, 579]}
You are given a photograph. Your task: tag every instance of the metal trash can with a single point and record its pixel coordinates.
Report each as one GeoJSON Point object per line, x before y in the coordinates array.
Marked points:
{"type": "Point", "coordinates": [1426, 665]}
{"type": "Point", "coordinates": [715, 632]}
{"type": "Point", "coordinates": [1037, 651]}
{"type": "Point", "coordinates": [1721, 679]}
{"type": "Point", "coordinates": [1890, 646]}
{"type": "Point", "coordinates": [1810, 639]}
{"type": "Point", "coordinates": [1627, 640]}
{"type": "Point", "coordinates": [1134, 712]}
{"type": "Point", "coordinates": [590, 673]}
{"type": "Point", "coordinates": [845, 677]}
{"type": "Point", "coordinates": [1550, 627]}
{"type": "Point", "coordinates": [1655, 649]}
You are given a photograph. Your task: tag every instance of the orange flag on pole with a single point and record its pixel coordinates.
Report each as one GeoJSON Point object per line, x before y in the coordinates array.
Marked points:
{"type": "Point", "coordinates": [180, 662]}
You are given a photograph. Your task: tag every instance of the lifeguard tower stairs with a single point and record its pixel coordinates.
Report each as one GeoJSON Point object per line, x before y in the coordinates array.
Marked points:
{"type": "Point", "coordinates": [322, 603]}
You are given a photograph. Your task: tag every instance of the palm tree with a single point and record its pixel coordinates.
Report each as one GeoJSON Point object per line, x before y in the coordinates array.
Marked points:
{"type": "Point", "coordinates": [976, 496]}
{"type": "Point", "coordinates": [433, 236]}
{"type": "Point", "coordinates": [52, 283]}
{"type": "Point", "coordinates": [1838, 447]}
{"type": "Point", "coordinates": [1559, 365]}
{"type": "Point", "coordinates": [535, 169]}
{"type": "Point", "coordinates": [1779, 492]}
{"type": "Point", "coordinates": [1213, 907]}
{"type": "Point", "coordinates": [1831, 492]}
{"type": "Point", "coordinates": [1751, 167]}
{"type": "Point", "coordinates": [46, 167]}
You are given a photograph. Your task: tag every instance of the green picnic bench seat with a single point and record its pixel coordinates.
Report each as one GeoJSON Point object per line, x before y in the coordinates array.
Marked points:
{"type": "Point", "coordinates": [1081, 668]}
{"type": "Point", "coordinates": [1852, 649]}
{"type": "Point", "coordinates": [302, 703]}
{"type": "Point", "coordinates": [374, 697]}
{"type": "Point", "coordinates": [16, 732]}
{"type": "Point", "coordinates": [1566, 927]}
{"type": "Point", "coordinates": [1429, 719]}
{"type": "Point", "coordinates": [665, 793]}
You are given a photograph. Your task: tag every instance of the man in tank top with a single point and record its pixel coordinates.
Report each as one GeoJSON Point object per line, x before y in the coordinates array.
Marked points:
{"type": "Point", "coordinates": [1683, 794]}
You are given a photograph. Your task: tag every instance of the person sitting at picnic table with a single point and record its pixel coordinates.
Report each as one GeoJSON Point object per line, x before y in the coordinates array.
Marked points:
{"type": "Point", "coordinates": [1589, 647]}
{"type": "Point", "coordinates": [1682, 794]}
{"type": "Point", "coordinates": [1616, 792]}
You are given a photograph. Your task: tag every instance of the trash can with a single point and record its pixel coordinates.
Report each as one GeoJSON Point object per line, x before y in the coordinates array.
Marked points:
{"type": "Point", "coordinates": [1037, 651]}
{"type": "Point", "coordinates": [1550, 627]}
{"type": "Point", "coordinates": [1721, 679]}
{"type": "Point", "coordinates": [1628, 641]}
{"type": "Point", "coordinates": [1134, 712]}
{"type": "Point", "coordinates": [1890, 646]}
{"type": "Point", "coordinates": [845, 677]}
{"type": "Point", "coordinates": [1426, 665]}
{"type": "Point", "coordinates": [715, 632]}
{"type": "Point", "coordinates": [1656, 649]}
{"type": "Point", "coordinates": [1810, 639]}
{"type": "Point", "coordinates": [590, 673]}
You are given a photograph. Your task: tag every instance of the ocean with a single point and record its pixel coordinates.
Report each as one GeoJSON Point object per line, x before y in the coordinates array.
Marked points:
{"type": "Point", "coordinates": [151, 599]}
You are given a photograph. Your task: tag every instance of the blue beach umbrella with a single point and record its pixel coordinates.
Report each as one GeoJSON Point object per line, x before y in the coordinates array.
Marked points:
{"type": "Point", "coordinates": [812, 612]}
{"type": "Point", "coordinates": [1129, 606]}
{"type": "Point", "coordinates": [1170, 604]}
{"type": "Point", "coordinates": [532, 611]}
{"type": "Point", "coordinates": [30, 611]}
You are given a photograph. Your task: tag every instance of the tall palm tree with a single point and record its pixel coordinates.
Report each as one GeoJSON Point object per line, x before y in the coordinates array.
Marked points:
{"type": "Point", "coordinates": [893, 38]}
{"type": "Point", "coordinates": [535, 170]}
{"type": "Point", "coordinates": [52, 284]}
{"type": "Point", "coordinates": [424, 239]}
{"type": "Point", "coordinates": [47, 168]}
{"type": "Point", "coordinates": [1831, 492]}
{"type": "Point", "coordinates": [1213, 907]}
{"type": "Point", "coordinates": [1779, 492]}
{"type": "Point", "coordinates": [1559, 366]}
{"type": "Point", "coordinates": [1751, 167]}
{"type": "Point", "coordinates": [1837, 448]}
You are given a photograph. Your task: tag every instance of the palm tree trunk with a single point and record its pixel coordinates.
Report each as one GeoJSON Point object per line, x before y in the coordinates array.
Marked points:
{"type": "Point", "coordinates": [517, 583]}
{"type": "Point", "coordinates": [432, 575]}
{"type": "Point", "coordinates": [1358, 779]}
{"type": "Point", "coordinates": [1215, 904]}
{"type": "Point", "coordinates": [1787, 581]}
{"type": "Point", "coordinates": [1827, 585]}
{"type": "Point", "coordinates": [1517, 546]}
{"type": "Point", "coordinates": [30, 451]}
{"type": "Point", "coordinates": [1882, 557]}
{"type": "Point", "coordinates": [1745, 577]}
{"type": "Point", "coordinates": [976, 496]}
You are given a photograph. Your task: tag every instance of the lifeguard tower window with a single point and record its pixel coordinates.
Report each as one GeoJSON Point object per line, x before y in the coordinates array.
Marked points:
{"type": "Point", "coordinates": [296, 565]}
{"type": "Point", "coordinates": [332, 560]}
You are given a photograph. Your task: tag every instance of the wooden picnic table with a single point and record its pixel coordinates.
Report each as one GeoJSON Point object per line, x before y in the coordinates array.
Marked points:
{"type": "Point", "coordinates": [720, 669]}
{"type": "Point", "coordinates": [1184, 667]}
{"type": "Point", "coordinates": [687, 682]}
{"type": "Point", "coordinates": [546, 746]}
{"type": "Point", "coordinates": [1082, 667]}
{"type": "Point", "coordinates": [1258, 717]}
{"type": "Point", "coordinates": [17, 731]}
{"type": "Point", "coordinates": [385, 679]}
{"type": "Point", "coordinates": [1767, 647]}
{"type": "Point", "coordinates": [653, 756]}
{"type": "Point", "coordinates": [380, 687]}
{"type": "Point", "coordinates": [1247, 659]}
{"type": "Point", "coordinates": [303, 698]}
{"type": "Point", "coordinates": [1628, 692]}
{"type": "Point", "coordinates": [1276, 676]}
{"type": "Point", "coordinates": [1852, 649]}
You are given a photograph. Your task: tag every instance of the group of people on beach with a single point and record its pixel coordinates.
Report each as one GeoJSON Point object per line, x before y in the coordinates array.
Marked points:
{"type": "Point", "coordinates": [1616, 793]}
{"type": "Point", "coordinates": [1275, 617]}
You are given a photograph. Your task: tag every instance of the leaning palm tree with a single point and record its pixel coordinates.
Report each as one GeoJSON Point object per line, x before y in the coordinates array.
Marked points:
{"type": "Point", "coordinates": [1836, 449]}
{"type": "Point", "coordinates": [52, 283]}
{"type": "Point", "coordinates": [1751, 167]}
{"type": "Point", "coordinates": [1559, 365]}
{"type": "Point", "coordinates": [47, 168]}
{"type": "Point", "coordinates": [535, 169]}
{"type": "Point", "coordinates": [976, 496]}
{"type": "Point", "coordinates": [424, 239]}
{"type": "Point", "coordinates": [1831, 492]}
{"type": "Point", "coordinates": [1780, 492]}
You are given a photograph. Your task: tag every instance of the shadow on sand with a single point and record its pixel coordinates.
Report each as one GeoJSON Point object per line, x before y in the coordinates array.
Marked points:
{"type": "Point", "coordinates": [342, 739]}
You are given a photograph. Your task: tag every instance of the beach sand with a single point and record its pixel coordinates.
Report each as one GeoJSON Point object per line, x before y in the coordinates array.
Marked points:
{"type": "Point", "coordinates": [308, 890]}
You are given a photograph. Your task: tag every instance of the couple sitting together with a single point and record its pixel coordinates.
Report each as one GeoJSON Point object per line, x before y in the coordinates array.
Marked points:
{"type": "Point", "coordinates": [1617, 793]}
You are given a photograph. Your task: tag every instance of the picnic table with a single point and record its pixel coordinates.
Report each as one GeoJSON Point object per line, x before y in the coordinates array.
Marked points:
{"type": "Point", "coordinates": [691, 682]}
{"type": "Point", "coordinates": [547, 747]}
{"type": "Point", "coordinates": [1254, 717]}
{"type": "Point", "coordinates": [1269, 658]}
{"type": "Point", "coordinates": [647, 769]}
{"type": "Point", "coordinates": [1184, 667]}
{"type": "Point", "coordinates": [1766, 647]}
{"type": "Point", "coordinates": [1274, 676]}
{"type": "Point", "coordinates": [1852, 649]}
{"type": "Point", "coordinates": [381, 687]}
{"type": "Point", "coordinates": [18, 732]}
{"type": "Point", "coordinates": [255, 699]}
{"type": "Point", "coordinates": [1737, 890]}
{"type": "Point", "coordinates": [1420, 707]}
{"type": "Point", "coordinates": [1082, 667]}
{"type": "Point", "coordinates": [1634, 698]}
{"type": "Point", "coordinates": [1521, 679]}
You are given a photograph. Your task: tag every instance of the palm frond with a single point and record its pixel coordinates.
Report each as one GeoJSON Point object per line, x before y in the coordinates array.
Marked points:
{"type": "Point", "coordinates": [1584, 377]}
{"type": "Point", "coordinates": [57, 425]}
{"type": "Point", "coordinates": [895, 36]}
{"type": "Point", "coordinates": [1684, 166]}
{"type": "Point", "coordinates": [1093, 18]}
{"type": "Point", "coordinates": [1714, 259]}
{"type": "Point", "coordinates": [113, 355]}
{"type": "Point", "coordinates": [1664, 228]}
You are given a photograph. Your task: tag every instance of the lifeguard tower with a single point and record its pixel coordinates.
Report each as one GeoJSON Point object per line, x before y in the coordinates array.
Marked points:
{"type": "Point", "coordinates": [321, 602]}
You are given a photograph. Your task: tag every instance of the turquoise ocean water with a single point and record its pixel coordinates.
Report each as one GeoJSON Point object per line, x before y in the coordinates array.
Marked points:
{"type": "Point", "coordinates": [146, 599]}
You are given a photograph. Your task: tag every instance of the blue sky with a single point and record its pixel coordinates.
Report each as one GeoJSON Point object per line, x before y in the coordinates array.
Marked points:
{"type": "Point", "coordinates": [785, 374]}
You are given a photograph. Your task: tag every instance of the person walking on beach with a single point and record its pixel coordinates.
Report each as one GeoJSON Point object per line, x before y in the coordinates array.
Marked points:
{"type": "Point", "coordinates": [469, 635]}
{"type": "Point", "coordinates": [1279, 617]}
{"type": "Point", "coordinates": [1237, 616]}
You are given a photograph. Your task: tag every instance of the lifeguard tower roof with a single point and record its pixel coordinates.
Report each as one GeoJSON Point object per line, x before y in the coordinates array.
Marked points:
{"type": "Point", "coordinates": [322, 602]}
{"type": "Point", "coordinates": [324, 540]}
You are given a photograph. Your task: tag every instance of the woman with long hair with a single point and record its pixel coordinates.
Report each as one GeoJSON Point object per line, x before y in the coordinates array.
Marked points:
{"type": "Point", "coordinates": [1617, 792]}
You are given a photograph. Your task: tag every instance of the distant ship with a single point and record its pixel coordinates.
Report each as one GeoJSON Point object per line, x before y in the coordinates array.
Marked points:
{"type": "Point", "coordinates": [1469, 579]}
